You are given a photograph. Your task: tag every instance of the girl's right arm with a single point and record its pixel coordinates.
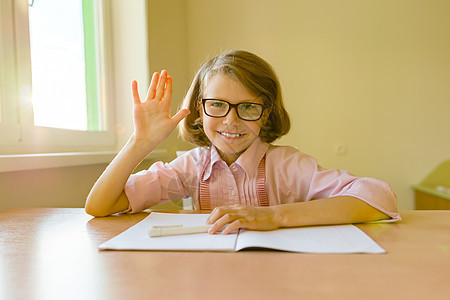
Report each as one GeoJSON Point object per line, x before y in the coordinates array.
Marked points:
{"type": "Point", "coordinates": [152, 124]}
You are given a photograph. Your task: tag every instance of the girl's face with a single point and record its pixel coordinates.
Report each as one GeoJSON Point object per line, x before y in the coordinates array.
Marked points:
{"type": "Point", "coordinates": [229, 134]}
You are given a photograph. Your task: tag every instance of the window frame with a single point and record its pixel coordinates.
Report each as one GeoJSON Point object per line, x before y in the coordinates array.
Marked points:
{"type": "Point", "coordinates": [17, 130]}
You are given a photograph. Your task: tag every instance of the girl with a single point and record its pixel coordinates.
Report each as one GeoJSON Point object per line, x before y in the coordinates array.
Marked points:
{"type": "Point", "coordinates": [233, 111]}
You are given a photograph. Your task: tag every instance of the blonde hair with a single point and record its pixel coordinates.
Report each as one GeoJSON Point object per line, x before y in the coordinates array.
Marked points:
{"type": "Point", "coordinates": [252, 72]}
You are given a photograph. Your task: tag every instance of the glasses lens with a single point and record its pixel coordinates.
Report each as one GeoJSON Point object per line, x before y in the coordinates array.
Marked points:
{"type": "Point", "coordinates": [250, 111]}
{"type": "Point", "coordinates": [216, 108]}
{"type": "Point", "coordinates": [220, 108]}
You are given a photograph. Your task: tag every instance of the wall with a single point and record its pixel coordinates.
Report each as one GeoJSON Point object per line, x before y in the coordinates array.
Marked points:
{"type": "Point", "coordinates": [372, 76]}
{"type": "Point", "coordinates": [51, 187]}
{"type": "Point", "coordinates": [54, 187]}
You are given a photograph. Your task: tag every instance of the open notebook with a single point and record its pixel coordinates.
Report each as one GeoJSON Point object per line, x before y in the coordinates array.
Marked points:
{"type": "Point", "coordinates": [318, 239]}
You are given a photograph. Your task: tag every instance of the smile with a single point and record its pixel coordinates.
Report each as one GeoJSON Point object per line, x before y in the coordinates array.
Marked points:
{"type": "Point", "coordinates": [230, 135]}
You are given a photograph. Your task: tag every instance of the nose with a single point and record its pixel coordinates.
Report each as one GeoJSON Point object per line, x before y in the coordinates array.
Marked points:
{"type": "Point", "coordinates": [231, 117]}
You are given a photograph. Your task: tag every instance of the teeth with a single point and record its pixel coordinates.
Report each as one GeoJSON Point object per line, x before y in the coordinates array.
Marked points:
{"type": "Point", "coordinates": [230, 135]}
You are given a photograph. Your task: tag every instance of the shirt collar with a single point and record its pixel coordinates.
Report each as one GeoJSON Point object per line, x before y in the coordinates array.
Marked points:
{"type": "Point", "coordinates": [214, 158]}
{"type": "Point", "coordinates": [249, 160]}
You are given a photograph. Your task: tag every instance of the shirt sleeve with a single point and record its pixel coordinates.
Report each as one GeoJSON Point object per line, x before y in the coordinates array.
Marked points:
{"type": "Point", "coordinates": [331, 183]}
{"type": "Point", "coordinates": [315, 182]}
{"type": "Point", "coordinates": [163, 182]}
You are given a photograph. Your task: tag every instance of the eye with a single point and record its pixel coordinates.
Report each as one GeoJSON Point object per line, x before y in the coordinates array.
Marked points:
{"type": "Point", "coordinates": [247, 106]}
{"type": "Point", "coordinates": [217, 104]}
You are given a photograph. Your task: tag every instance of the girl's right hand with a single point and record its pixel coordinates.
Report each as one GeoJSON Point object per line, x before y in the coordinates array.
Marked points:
{"type": "Point", "coordinates": [152, 120]}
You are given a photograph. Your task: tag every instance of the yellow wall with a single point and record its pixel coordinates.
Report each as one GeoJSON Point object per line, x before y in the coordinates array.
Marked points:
{"type": "Point", "coordinates": [370, 75]}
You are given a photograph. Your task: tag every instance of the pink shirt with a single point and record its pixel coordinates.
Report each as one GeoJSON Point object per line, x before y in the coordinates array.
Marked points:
{"type": "Point", "coordinates": [291, 176]}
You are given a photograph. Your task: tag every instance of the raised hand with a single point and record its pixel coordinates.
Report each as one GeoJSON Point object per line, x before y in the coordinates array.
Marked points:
{"type": "Point", "coordinates": [152, 120]}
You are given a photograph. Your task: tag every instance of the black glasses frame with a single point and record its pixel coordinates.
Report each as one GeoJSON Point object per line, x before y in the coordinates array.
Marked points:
{"type": "Point", "coordinates": [235, 106]}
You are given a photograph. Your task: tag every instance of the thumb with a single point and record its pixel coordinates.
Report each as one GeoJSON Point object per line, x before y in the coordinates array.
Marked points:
{"type": "Point", "coordinates": [180, 115]}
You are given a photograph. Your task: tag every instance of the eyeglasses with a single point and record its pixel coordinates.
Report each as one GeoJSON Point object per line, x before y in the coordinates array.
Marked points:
{"type": "Point", "coordinates": [247, 111]}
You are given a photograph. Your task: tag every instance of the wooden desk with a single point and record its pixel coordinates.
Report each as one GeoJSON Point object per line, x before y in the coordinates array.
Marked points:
{"type": "Point", "coordinates": [52, 254]}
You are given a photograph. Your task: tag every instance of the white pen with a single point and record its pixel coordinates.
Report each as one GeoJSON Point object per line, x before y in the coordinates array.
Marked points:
{"type": "Point", "coordinates": [163, 230]}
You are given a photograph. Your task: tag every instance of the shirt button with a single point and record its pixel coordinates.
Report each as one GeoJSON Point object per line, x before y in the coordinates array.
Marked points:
{"type": "Point", "coordinates": [234, 168]}
{"type": "Point", "coordinates": [233, 193]}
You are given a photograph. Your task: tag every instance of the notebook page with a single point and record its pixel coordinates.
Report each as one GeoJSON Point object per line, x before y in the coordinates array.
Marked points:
{"type": "Point", "coordinates": [137, 238]}
{"type": "Point", "coordinates": [318, 239]}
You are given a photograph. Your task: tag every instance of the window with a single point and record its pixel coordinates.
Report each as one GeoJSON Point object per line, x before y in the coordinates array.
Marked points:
{"type": "Point", "coordinates": [53, 76]}
{"type": "Point", "coordinates": [64, 58]}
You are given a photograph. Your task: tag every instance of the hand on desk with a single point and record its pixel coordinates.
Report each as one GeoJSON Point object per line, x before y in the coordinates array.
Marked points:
{"type": "Point", "coordinates": [240, 216]}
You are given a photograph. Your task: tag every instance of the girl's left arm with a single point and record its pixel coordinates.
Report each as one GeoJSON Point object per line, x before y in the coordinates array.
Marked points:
{"type": "Point", "coordinates": [327, 211]}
